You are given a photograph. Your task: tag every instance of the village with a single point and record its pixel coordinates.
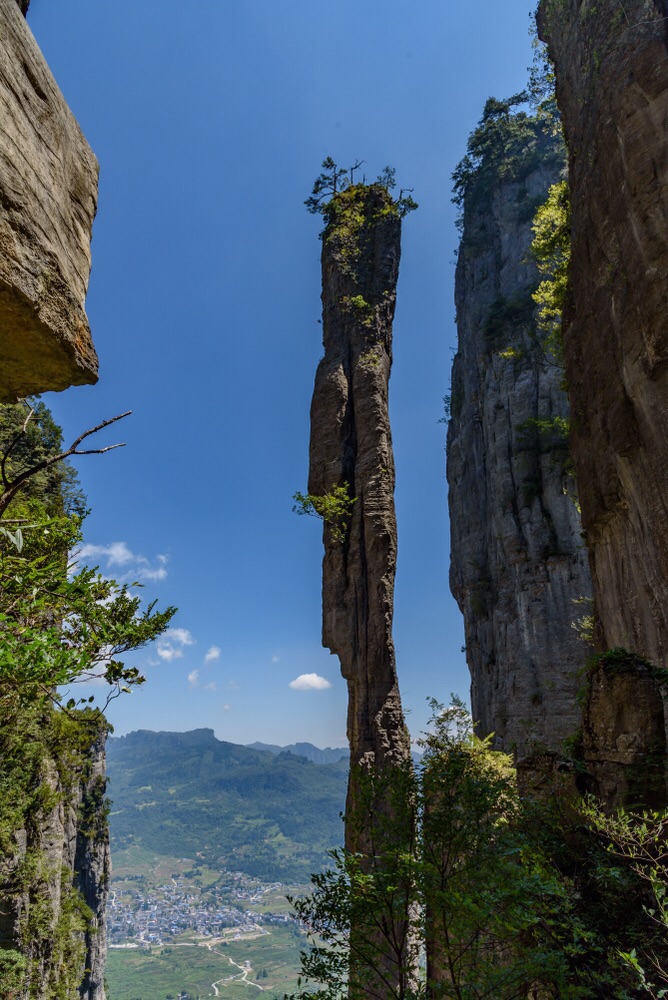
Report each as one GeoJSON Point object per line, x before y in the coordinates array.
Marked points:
{"type": "Point", "coordinates": [141, 915]}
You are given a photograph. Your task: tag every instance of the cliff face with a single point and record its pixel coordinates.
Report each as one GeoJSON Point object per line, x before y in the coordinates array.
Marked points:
{"type": "Point", "coordinates": [612, 86]}
{"type": "Point", "coordinates": [351, 449]}
{"type": "Point", "coordinates": [54, 881]}
{"type": "Point", "coordinates": [48, 199]}
{"type": "Point", "coordinates": [517, 558]}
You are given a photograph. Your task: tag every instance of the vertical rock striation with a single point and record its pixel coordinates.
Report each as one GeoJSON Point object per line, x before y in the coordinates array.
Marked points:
{"type": "Point", "coordinates": [54, 886]}
{"type": "Point", "coordinates": [611, 64]}
{"type": "Point", "coordinates": [517, 559]}
{"type": "Point", "coordinates": [92, 866]}
{"type": "Point", "coordinates": [351, 447]}
{"type": "Point", "coordinates": [48, 199]}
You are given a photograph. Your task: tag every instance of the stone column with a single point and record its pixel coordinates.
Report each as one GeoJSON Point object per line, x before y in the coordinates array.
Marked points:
{"type": "Point", "coordinates": [351, 447]}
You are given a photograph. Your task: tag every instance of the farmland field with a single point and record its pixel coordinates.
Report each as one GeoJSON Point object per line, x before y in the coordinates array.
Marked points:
{"type": "Point", "coordinates": [193, 968]}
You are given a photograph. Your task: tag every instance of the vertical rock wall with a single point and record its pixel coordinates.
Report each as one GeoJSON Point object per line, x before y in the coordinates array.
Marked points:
{"type": "Point", "coordinates": [517, 558]}
{"type": "Point", "coordinates": [61, 859]}
{"type": "Point", "coordinates": [611, 64]}
{"type": "Point", "coordinates": [351, 444]}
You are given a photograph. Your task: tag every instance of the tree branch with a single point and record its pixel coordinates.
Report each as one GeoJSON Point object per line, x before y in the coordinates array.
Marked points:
{"type": "Point", "coordinates": [10, 489]}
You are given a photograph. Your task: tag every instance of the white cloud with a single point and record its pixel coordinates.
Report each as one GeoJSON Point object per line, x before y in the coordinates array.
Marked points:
{"type": "Point", "coordinates": [193, 678]}
{"type": "Point", "coordinates": [210, 687]}
{"type": "Point", "coordinates": [118, 554]}
{"type": "Point", "coordinates": [226, 708]}
{"type": "Point", "coordinates": [143, 573]}
{"type": "Point", "coordinates": [310, 682]}
{"type": "Point", "coordinates": [212, 653]}
{"type": "Point", "coordinates": [180, 635]}
{"type": "Point", "coordinates": [171, 643]}
{"type": "Point", "coordinates": [169, 653]}
{"type": "Point", "coordinates": [275, 658]}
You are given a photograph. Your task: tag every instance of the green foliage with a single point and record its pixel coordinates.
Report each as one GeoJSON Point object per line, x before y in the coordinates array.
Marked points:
{"type": "Point", "coordinates": [551, 248]}
{"type": "Point", "coordinates": [482, 894]}
{"type": "Point", "coordinates": [12, 974]}
{"type": "Point", "coordinates": [543, 434]}
{"type": "Point", "coordinates": [60, 628]}
{"type": "Point", "coordinates": [333, 181]}
{"type": "Point", "coordinates": [60, 624]}
{"type": "Point", "coordinates": [511, 139]}
{"type": "Point", "coordinates": [584, 625]}
{"type": "Point", "coordinates": [515, 897]}
{"type": "Point", "coordinates": [504, 317]}
{"type": "Point", "coordinates": [27, 440]}
{"type": "Point", "coordinates": [334, 508]}
{"type": "Point", "coordinates": [360, 308]}
{"type": "Point", "coordinates": [45, 759]}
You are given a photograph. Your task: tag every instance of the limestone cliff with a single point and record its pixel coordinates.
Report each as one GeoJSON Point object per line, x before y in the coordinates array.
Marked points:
{"type": "Point", "coordinates": [351, 450]}
{"type": "Point", "coordinates": [517, 558]}
{"type": "Point", "coordinates": [611, 66]}
{"type": "Point", "coordinates": [54, 869]}
{"type": "Point", "coordinates": [48, 198]}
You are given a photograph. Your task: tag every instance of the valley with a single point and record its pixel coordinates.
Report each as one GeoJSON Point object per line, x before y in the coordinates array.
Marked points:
{"type": "Point", "coordinates": [208, 839]}
{"type": "Point", "coordinates": [179, 928]}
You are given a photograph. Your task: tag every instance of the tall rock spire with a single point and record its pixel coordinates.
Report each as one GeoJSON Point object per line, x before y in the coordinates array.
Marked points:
{"type": "Point", "coordinates": [351, 450]}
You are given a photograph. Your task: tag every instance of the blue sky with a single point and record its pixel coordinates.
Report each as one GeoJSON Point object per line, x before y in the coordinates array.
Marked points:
{"type": "Point", "coordinates": [210, 121]}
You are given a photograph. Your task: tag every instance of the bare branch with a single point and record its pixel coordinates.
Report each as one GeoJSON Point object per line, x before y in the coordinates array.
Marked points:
{"type": "Point", "coordinates": [12, 488]}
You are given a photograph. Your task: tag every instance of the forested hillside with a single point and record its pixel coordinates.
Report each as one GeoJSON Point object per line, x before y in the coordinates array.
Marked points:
{"type": "Point", "coordinates": [188, 794]}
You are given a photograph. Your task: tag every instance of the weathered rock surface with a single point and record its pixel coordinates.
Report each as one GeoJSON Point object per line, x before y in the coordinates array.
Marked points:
{"type": "Point", "coordinates": [612, 87]}
{"type": "Point", "coordinates": [48, 198]}
{"type": "Point", "coordinates": [517, 558]}
{"type": "Point", "coordinates": [71, 841]}
{"type": "Point", "coordinates": [351, 444]}
{"type": "Point", "coordinates": [624, 732]}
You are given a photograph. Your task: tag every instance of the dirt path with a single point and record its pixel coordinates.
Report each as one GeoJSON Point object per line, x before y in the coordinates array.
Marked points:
{"type": "Point", "coordinates": [232, 979]}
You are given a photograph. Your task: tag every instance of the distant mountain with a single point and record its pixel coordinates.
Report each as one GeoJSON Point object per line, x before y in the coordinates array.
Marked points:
{"type": "Point", "coordinates": [270, 814]}
{"type": "Point", "coordinates": [327, 756]}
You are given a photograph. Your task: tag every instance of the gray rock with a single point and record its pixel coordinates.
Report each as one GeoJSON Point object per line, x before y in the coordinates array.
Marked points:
{"type": "Point", "coordinates": [517, 559]}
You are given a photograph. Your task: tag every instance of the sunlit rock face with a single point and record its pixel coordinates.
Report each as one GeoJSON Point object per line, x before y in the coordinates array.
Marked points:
{"type": "Point", "coordinates": [518, 564]}
{"type": "Point", "coordinates": [351, 446]}
{"type": "Point", "coordinates": [351, 443]}
{"type": "Point", "coordinates": [612, 88]}
{"type": "Point", "coordinates": [48, 198]}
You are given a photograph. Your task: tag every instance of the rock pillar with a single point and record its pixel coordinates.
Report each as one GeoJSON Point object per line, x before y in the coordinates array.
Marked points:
{"type": "Point", "coordinates": [351, 448]}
